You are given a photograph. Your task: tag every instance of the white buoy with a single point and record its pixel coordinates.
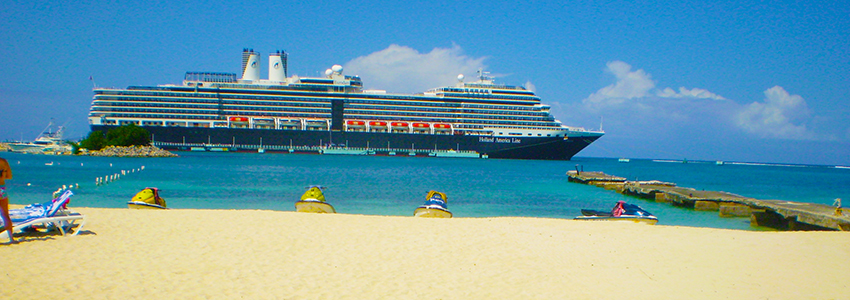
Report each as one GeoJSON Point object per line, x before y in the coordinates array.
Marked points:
{"type": "Point", "coordinates": [29, 184]}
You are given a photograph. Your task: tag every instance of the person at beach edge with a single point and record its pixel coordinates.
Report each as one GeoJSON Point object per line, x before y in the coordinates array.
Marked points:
{"type": "Point", "coordinates": [5, 173]}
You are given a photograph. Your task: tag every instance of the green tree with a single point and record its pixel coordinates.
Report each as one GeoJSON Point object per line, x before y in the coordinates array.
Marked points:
{"type": "Point", "coordinates": [128, 135]}
{"type": "Point", "coordinates": [75, 147]}
{"type": "Point", "coordinates": [95, 141]}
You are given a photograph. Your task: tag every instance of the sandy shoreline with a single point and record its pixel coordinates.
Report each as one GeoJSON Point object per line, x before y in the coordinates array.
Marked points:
{"type": "Point", "coordinates": [255, 254]}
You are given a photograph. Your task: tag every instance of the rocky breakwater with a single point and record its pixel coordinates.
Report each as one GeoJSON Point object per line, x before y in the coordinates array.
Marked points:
{"type": "Point", "coordinates": [132, 151]}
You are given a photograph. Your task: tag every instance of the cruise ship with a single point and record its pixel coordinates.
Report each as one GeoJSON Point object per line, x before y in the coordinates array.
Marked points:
{"type": "Point", "coordinates": [334, 114]}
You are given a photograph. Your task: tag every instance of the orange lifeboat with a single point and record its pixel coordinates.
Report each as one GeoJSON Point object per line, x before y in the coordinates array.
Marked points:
{"type": "Point", "coordinates": [238, 119]}
{"type": "Point", "coordinates": [421, 125]}
{"type": "Point", "coordinates": [355, 123]}
{"type": "Point", "coordinates": [378, 124]}
{"type": "Point", "coordinates": [399, 124]}
{"type": "Point", "coordinates": [442, 126]}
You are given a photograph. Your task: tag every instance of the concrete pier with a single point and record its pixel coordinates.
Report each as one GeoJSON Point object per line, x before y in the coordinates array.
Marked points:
{"type": "Point", "coordinates": [778, 214]}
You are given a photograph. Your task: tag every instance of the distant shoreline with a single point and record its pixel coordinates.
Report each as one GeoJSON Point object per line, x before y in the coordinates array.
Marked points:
{"type": "Point", "coordinates": [110, 151]}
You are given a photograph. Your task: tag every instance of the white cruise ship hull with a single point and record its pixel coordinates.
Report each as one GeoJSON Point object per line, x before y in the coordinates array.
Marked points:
{"type": "Point", "coordinates": [317, 142]}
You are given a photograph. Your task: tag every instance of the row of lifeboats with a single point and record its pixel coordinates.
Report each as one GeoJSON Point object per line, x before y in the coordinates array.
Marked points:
{"type": "Point", "coordinates": [383, 124]}
{"type": "Point", "coordinates": [395, 126]}
{"type": "Point", "coordinates": [293, 122]}
{"type": "Point", "coordinates": [271, 122]}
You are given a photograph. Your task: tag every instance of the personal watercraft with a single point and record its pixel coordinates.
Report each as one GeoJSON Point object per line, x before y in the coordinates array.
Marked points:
{"type": "Point", "coordinates": [435, 206]}
{"type": "Point", "coordinates": [313, 201]}
{"type": "Point", "coordinates": [622, 212]}
{"type": "Point", "coordinates": [148, 198]}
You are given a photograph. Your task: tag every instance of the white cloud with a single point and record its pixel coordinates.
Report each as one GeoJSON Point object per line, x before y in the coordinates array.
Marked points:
{"type": "Point", "coordinates": [530, 86]}
{"type": "Point", "coordinates": [643, 120]}
{"type": "Point", "coordinates": [629, 85]}
{"type": "Point", "coordinates": [404, 69]}
{"type": "Point", "coordinates": [632, 88]}
{"type": "Point", "coordinates": [692, 93]}
{"type": "Point", "coordinates": [781, 115]}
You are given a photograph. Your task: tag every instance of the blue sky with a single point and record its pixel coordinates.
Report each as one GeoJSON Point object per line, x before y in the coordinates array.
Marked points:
{"type": "Point", "coordinates": [738, 81]}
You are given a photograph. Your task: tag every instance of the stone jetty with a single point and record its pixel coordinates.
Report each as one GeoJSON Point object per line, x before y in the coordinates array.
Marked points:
{"type": "Point", "coordinates": [132, 151]}
{"type": "Point", "coordinates": [778, 214]}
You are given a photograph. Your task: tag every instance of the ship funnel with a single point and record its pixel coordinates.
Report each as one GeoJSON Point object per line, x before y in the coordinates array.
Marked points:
{"type": "Point", "coordinates": [277, 66]}
{"type": "Point", "coordinates": [250, 65]}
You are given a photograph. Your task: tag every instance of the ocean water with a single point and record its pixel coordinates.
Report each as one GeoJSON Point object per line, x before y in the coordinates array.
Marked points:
{"type": "Point", "coordinates": [395, 186]}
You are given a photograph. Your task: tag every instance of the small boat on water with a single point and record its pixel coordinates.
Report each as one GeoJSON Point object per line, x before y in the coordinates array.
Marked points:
{"type": "Point", "coordinates": [313, 201]}
{"type": "Point", "coordinates": [435, 206]}
{"type": "Point", "coordinates": [49, 140]}
{"type": "Point", "coordinates": [622, 211]}
{"type": "Point", "coordinates": [148, 198]}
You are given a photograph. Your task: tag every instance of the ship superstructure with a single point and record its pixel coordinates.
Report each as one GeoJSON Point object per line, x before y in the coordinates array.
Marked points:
{"type": "Point", "coordinates": [335, 114]}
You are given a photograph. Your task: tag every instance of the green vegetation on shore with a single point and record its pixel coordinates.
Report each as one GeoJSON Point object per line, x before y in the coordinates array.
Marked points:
{"type": "Point", "coordinates": [126, 135]}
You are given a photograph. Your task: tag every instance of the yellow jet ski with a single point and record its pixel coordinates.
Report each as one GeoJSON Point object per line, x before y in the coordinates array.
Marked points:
{"type": "Point", "coordinates": [313, 201]}
{"type": "Point", "coordinates": [148, 198]}
{"type": "Point", "coordinates": [435, 206]}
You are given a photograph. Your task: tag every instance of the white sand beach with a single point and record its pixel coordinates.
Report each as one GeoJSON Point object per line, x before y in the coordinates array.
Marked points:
{"type": "Point", "coordinates": [251, 254]}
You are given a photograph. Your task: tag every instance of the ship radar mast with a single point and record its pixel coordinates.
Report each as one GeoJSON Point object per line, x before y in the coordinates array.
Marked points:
{"type": "Point", "coordinates": [483, 77]}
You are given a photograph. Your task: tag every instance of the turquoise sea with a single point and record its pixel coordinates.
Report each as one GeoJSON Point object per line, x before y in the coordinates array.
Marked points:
{"type": "Point", "coordinates": [376, 185]}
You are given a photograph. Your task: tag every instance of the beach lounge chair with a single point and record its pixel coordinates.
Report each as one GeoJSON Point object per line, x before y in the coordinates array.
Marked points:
{"type": "Point", "coordinates": [50, 214]}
